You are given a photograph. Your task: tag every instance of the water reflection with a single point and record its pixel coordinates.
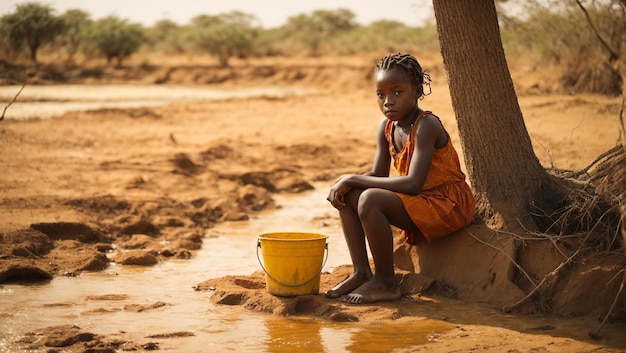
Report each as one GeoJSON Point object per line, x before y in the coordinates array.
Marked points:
{"type": "Point", "coordinates": [301, 334]}
{"type": "Point", "coordinates": [295, 335]}
{"type": "Point", "coordinates": [405, 333]}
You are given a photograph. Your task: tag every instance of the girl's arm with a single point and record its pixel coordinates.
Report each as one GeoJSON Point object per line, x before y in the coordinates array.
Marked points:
{"type": "Point", "coordinates": [380, 169]}
{"type": "Point", "coordinates": [428, 130]}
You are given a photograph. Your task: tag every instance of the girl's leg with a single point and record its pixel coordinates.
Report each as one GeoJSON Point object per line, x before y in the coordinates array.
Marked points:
{"type": "Point", "coordinates": [378, 209]}
{"type": "Point", "coordinates": [355, 239]}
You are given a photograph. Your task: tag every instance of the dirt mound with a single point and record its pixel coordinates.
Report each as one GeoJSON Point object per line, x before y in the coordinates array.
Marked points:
{"type": "Point", "coordinates": [250, 292]}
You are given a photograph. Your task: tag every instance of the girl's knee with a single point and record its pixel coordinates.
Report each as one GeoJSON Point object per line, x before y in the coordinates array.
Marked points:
{"type": "Point", "coordinates": [370, 201]}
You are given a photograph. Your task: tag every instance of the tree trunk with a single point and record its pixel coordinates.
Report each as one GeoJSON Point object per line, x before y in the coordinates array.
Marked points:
{"type": "Point", "coordinates": [507, 178]}
{"type": "Point", "coordinates": [33, 53]}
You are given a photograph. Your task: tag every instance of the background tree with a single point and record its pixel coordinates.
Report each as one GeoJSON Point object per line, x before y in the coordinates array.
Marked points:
{"type": "Point", "coordinates": [166, 36]}
{"type": "Point", "coordinates": [225, 36]}
{"type": "Point", "coordinates": [115, 38]}
{"type": "Point", "coordinates": [386, 36]}
{"type": "Point", "coordinates": [32, 24]}
{"type": "Point", "coordinates": [9, 48]}
{"type": "Point", "coordinates": [75, 21]}
{"type": "Point", "coordinates": [319, 26]}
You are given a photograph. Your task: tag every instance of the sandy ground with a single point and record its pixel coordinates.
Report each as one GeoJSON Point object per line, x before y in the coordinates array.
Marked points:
{"type": "Point", "coordinates": [76, 186]}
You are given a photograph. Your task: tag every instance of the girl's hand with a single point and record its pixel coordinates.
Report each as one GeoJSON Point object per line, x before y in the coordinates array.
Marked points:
{"type": "Point", "coordinates": [338, 192]}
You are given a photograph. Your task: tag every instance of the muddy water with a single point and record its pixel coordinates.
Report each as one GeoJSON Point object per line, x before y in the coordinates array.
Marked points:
{"type": "Point", "coordinates": [230, 249]}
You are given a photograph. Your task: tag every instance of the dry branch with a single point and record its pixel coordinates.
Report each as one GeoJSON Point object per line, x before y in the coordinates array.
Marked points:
{"type": "Point", "coordinates": [12, 101]}
{"type": "Point", "coordinates": [614, 54]}
{"type": "Point", "coordinates": [607, 154]}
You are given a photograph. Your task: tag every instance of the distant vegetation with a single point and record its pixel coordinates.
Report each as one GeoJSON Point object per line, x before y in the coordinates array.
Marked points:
{"type": "Point", "coordinates": [224, 36]}
{"type": "Point", "coordinates": [586, 39]}
{"type": "Point", "coordinates": [576, 35]}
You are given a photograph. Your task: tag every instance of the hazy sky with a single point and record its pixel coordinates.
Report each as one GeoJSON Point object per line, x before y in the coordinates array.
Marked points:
{"type": "Point", "coordinates": [271, 13]}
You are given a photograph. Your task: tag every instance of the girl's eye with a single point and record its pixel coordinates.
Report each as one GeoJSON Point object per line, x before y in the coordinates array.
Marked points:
{"type": "Point", "coordinates": [379, 95]}
{"type": "Point", "coordinates": [397, 93]}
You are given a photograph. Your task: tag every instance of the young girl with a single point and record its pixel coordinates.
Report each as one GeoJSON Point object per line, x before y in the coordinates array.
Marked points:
{"type": "Point", "coordinates": [428, 200]}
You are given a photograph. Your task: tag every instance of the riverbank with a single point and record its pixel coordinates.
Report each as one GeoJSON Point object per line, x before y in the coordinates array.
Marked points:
{"type": "Point", "coordinates": [141, 186]}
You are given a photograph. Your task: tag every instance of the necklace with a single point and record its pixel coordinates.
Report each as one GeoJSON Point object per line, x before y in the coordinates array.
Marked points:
{"type": "Point", "coordinates": [405, 129]}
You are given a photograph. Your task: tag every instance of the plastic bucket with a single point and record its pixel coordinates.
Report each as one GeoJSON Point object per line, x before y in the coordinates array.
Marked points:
{"type": "Point", "coordinates": [292, 262]}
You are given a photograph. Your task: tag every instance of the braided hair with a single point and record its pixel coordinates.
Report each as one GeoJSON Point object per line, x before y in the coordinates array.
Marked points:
{"type": "Point", "coordinates": [409, 64]}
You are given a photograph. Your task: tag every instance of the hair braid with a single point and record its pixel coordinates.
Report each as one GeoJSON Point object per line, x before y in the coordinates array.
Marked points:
{"type": "Point", "coordinates": [409, 64]}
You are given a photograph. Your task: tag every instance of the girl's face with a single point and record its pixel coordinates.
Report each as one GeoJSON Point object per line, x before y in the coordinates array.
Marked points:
{"type": "Point", "coordinates": [397, 96]}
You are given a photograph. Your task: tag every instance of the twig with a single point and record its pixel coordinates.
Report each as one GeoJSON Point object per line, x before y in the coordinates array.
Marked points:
{"type": "Point", "coordinates": [613, 54]}
{"type": "Point", "coordinates": [596, 334]}
{"type": "Point", "coordinates": [543, 235]}
{"type": "Point", "coordinates": [621, 143]}
{"type": "Point", "coordinates": [507, 256]}
{"type": "Point", "coordinates": [12, 101]}
{"type": "Point", "coordinates": [612, 151]}
{"type": "Point", "coordinates": [552, 160]}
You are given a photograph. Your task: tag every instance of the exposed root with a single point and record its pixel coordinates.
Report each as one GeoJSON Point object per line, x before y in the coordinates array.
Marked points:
{"type": "Point", "coordinates": [597, 194]}
{"type": "Point", "coordinates": [520, 268]}
{"type": "Point", "coordinates": [550, 277]}
{"type": "Point", "coordinates": [592, 218]}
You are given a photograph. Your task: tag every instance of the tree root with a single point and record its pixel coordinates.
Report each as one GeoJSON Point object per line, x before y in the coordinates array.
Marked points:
{"type": "Point", "coordinates": [546, 279]}
{"type": "Point", "coordinates": [592, 218]}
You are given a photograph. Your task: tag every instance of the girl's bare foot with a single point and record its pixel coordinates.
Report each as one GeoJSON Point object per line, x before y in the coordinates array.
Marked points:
{"type": "Point", "coordinates": [373, 291]}
{"type": "Point", "coordinates": [353, 282]}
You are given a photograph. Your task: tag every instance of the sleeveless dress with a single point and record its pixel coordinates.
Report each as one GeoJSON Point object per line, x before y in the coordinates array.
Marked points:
{"type": "Point", "coordinates": [446, 202]}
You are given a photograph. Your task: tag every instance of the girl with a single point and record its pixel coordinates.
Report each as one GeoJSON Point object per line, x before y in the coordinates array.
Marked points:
{"type": "Point", "coordinates": [428, 200]}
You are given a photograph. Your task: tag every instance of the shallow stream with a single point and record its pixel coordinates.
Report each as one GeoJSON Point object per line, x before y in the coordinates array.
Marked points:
{"type": "Point", "coordinates": [230, 249]}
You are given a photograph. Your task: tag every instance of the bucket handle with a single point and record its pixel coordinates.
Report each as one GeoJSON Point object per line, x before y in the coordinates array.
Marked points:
{"type": "Point", "coordinates": [258, 246]}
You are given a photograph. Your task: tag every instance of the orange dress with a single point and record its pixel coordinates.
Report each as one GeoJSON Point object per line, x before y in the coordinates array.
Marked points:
{"type": "Point", "coordinates": [446, 202]}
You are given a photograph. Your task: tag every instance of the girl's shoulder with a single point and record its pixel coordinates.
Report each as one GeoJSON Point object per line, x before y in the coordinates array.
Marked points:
{"type": "Point", "coordinates": [431, 127]}
{"type": "Point", "coordinates": [384, 123]}
{"type": "Point", "coordinates": [428, 114]}
{"type": "Point", "coordinates": [427, 118]}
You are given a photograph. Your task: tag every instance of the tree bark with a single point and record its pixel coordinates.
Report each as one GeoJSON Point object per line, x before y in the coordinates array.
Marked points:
{"type": "Point", "coordinates": [507, 178]}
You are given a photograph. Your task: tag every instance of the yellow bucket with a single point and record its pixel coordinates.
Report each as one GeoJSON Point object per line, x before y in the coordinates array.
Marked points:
{"type": "Point", "coordinates": [292, 262]}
